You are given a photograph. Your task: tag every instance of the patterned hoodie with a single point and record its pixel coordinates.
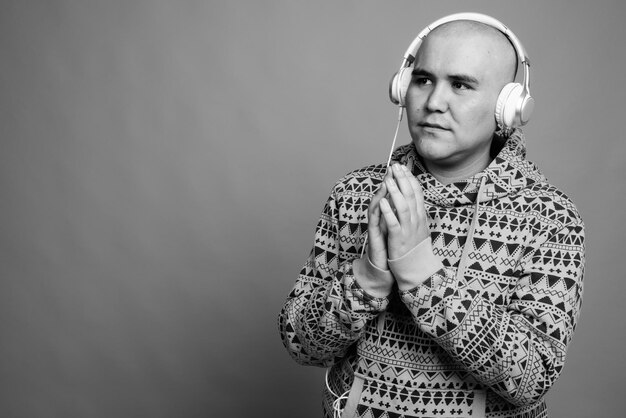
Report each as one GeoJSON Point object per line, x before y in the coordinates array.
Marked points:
{"type": "Point", "coordinates": [484, 334]}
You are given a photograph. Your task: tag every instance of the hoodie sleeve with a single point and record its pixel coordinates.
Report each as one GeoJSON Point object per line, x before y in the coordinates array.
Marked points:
{"type": "Point", "coordinates": [327, 310]}
{"type": "Point", "coordinates": [518, 350]}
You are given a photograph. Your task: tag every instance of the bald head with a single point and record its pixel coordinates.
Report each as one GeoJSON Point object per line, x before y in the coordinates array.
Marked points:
{"type": "Point", "coordinates": [494, 44]}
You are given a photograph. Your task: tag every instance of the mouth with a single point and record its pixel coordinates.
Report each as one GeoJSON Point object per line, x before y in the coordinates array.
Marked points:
{"type": "Point", "coordinates": [433, 126]}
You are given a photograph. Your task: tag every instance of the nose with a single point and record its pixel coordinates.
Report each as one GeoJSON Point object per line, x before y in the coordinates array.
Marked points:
{"type": "Point", "coordinates": [437, 100]}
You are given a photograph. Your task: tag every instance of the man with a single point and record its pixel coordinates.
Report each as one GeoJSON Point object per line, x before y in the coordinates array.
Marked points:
{"type": "Point", "coordinates": [469, 290]}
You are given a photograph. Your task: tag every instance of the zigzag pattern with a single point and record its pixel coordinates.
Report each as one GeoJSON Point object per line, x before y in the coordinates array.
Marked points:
{"type": "Point", "coordinates": [490, 342]}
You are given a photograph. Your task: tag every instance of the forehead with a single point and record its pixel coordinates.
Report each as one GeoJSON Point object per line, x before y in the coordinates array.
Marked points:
{"type": "Point", "coordinates": [483, 53]}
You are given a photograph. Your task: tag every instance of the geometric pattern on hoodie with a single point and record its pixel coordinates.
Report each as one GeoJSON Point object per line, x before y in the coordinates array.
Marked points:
{"type": "Point", "coordinates": [487, 341]}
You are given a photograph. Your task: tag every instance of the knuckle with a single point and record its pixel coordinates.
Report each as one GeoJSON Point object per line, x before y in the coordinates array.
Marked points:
{"type": "Point", "coordinates": [394, 228]}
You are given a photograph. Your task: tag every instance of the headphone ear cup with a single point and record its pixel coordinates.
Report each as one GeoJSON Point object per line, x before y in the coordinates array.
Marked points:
{"type": "Point", "coordinates": [399, 85]}
{"type": "Point", "coordinates": [506, 106]}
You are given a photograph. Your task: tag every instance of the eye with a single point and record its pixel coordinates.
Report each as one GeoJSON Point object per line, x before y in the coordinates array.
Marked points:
{"type": "Point", "coordinates": [421, 80]}
{"type": "Point", "coordinates": [459, 85]}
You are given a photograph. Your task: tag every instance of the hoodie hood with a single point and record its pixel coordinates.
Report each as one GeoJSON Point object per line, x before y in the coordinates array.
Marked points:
{"type": "Point", "coordinates": [508, 173]}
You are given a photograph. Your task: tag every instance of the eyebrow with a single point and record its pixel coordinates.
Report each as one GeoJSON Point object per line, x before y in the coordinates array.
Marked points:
{"type": "Point", "coordinates": [464, 78]}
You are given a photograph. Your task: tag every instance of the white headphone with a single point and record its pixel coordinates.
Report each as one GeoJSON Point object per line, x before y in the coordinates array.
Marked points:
{"type": "Point", "coordinates": [514, 105]}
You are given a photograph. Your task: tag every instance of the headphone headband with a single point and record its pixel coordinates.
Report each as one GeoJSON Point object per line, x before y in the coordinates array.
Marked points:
{"type": "Point", "coordinates": [410, 53]}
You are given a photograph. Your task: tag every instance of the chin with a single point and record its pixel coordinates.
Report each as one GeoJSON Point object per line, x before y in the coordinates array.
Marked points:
{"type": "Point", "coordinates": [432, 148]}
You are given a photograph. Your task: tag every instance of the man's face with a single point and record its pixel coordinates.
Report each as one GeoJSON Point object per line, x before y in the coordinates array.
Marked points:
{"type": "Point", "coordinates": [452, 97]}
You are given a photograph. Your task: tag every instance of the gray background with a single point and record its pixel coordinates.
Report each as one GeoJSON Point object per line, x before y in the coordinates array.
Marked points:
{"type": "Point", "coordinates": [163, 165]}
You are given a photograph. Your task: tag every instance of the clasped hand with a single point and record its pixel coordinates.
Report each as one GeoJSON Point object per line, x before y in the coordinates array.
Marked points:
{"type": "Point", "coordinates": [397, 217]}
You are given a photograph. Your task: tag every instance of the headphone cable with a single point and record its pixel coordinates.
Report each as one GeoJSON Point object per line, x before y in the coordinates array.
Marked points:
{"type": "Point", "coordinates": [393, 146]}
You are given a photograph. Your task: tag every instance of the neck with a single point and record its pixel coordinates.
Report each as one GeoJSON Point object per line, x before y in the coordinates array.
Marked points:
{"type": "Point", "coordinates": [450, 173]}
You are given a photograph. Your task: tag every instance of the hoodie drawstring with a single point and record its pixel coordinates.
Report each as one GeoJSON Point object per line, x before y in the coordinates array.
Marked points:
{"type": "Point", "coordinates": [380, 325]}
{"type": "Point", "coordinates": [470, 235]}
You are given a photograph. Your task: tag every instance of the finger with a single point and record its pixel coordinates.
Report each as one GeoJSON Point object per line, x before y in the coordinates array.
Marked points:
{"type": "Point", "coordinates": [374, 211]}
{"type": "Point", "coordinates": [418, 192]}
{"type": "Point", "coordinates": [398, 201]}
{"type": "Point", "coordinates": [374, 217]}
{"type": "Point", "coordinates": [376, 247]}
{"type": "Point", "coordinates": [402, 177]}
{"type": "Point", "coordinates": [383, 227]}
{"type": "Point", "coordinates": [389, 217]}
{"type": "Point", "coordinates": [380, 193]}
